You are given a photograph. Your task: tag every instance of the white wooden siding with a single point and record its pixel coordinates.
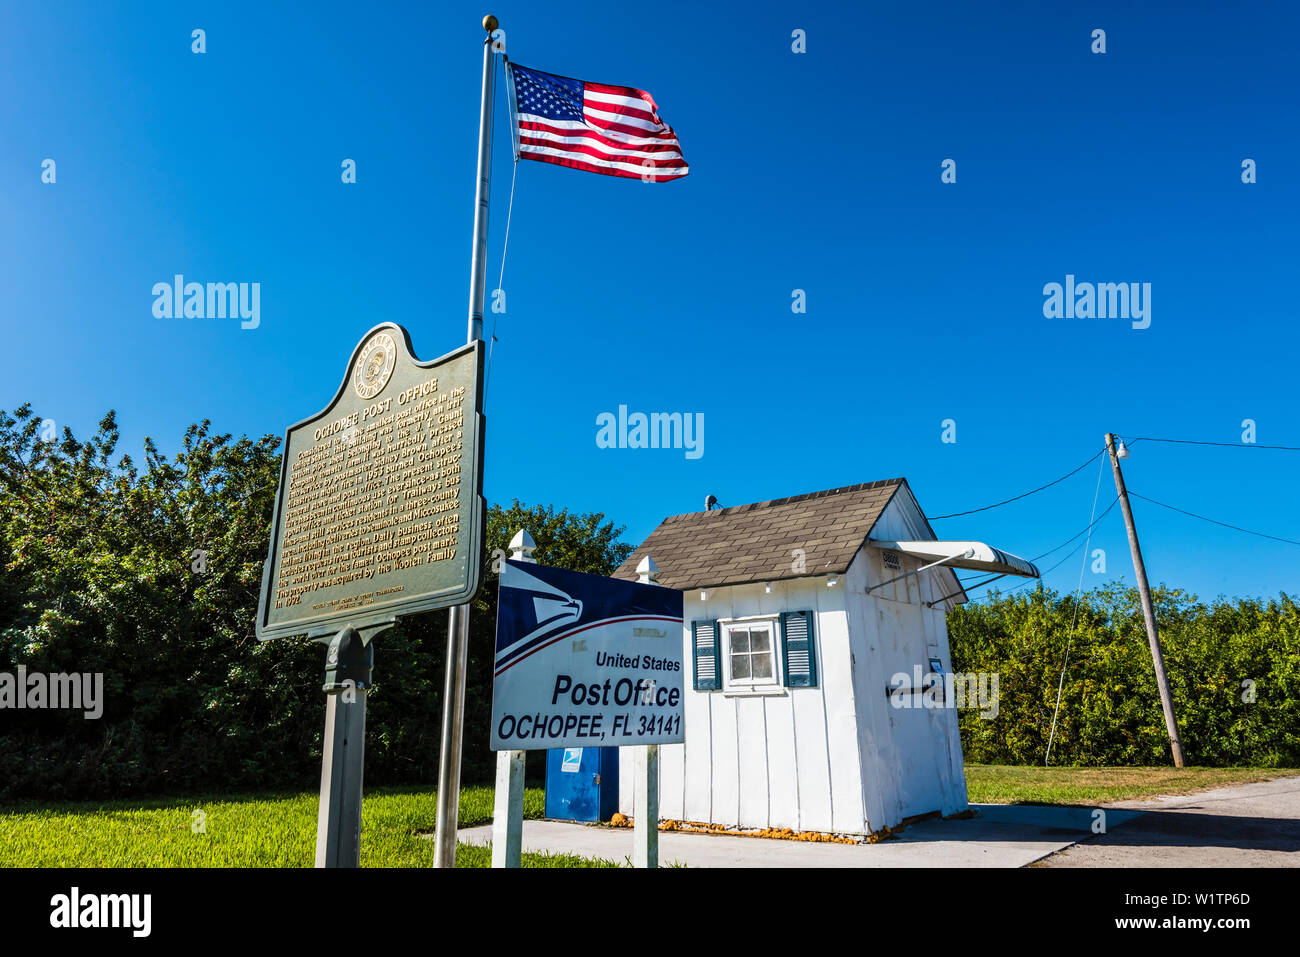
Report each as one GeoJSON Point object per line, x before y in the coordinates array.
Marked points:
{"type": "Point", "coordinates": [778, 760]}
{"type": "Point", "coordinates": [911, 756]}
{"type": "Point", "coordinates": [837, 757]}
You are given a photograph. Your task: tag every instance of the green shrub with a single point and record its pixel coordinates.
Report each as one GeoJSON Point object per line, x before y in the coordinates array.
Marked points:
{"type": "Point", "coordinates": [1110, 710]}
{"type": "Point", "coordinates": [96, 576]}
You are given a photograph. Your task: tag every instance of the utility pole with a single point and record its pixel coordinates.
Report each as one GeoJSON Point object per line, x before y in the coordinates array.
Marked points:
{"type": "Point", "coordinates": [1144, 589]}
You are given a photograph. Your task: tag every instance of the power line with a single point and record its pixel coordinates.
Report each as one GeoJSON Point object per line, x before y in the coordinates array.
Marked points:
{"type": "Point", "coordinates": [1147, 438]}
{"type": "Point", "coordinates": [1074, 536]}
{"type": "Point", "coordinates": [1078, 534]}
{"type": "Point", "coordinates": [1289, 541]}
{"type": "Point", "coordinates": [1032, 581]}
{"type": "Point", "coordinates": [1075, 617]}
{"type": "Point", "coordinates": [1024, 495]}
{"type": "Point", "coordinates": [1041, 575]}
{"type": "Point", "coordinates": [1036, 558]}
{"type": "Point", "coordinates": [1230, 445]}
{"type": "Point", "coordinates": [1097, 521]}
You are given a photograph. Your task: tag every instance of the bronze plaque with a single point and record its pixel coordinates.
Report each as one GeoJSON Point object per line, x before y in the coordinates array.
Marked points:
{"type": "Point", "coordinates": [380, 511]}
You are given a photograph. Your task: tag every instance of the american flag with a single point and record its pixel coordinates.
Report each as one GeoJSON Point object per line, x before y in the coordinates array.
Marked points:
{"type": "Point", "coordinates": [614, 130]}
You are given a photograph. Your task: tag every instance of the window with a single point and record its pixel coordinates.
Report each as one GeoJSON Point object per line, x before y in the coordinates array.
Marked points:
{"type": "Point", "coordinates": [758, 655]}
{"type": "Point", "coordinates": [750, 648]}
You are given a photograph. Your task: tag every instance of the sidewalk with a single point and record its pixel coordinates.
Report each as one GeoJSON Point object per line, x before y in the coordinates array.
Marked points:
{"type": "Point", "coordinates": [1002, 835]}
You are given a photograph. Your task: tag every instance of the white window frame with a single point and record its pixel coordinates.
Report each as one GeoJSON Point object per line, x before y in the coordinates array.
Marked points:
{"type": "Point", "coordinates": [748, 686]}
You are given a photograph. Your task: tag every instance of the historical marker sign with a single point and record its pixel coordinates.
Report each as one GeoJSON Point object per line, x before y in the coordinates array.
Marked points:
{"type": "Point", "coordinates": [585, 661]}
{"type": "Point", "coordinates": [380, 511]}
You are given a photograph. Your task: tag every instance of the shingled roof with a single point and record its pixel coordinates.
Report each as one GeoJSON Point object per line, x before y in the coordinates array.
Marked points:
{"type": "Point", "coordinates": [754, 543]}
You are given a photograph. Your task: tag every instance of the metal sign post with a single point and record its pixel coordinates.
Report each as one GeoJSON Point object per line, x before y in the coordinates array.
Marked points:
{"type": "Point", "coordinates": [645, 807]}
{"type": "Point", "coordinates": [453, 735]}
{"type": "Point", "coordinates": [453, 706]}
{"type": "Point", "coordinates": [508, 804]}
{"type": "Point", "coordinates": [348, 665]}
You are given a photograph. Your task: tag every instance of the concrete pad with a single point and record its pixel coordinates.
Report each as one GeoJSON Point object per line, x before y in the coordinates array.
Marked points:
{"type": "Point", "coordinates": [1000, 836]}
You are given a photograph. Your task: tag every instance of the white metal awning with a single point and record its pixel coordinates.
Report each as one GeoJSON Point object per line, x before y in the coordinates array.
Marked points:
{"type": "Point", "coordinates": [973, 555]}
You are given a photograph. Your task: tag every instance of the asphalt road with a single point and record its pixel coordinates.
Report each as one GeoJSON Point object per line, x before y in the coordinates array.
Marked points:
{"type": "Point", "coordinates": [1249, 825]}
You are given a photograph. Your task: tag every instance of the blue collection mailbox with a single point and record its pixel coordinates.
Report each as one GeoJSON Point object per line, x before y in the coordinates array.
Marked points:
{"type": "Point", "coordinates": [581, 783]}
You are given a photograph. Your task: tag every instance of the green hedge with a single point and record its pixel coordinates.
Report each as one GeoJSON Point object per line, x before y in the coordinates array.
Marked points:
{"type": "Point", "coordinates": [97, 575]}
{"type": "Point", "coordinates": [1110, 710]}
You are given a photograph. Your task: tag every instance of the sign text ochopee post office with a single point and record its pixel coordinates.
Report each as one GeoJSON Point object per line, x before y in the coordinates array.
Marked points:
{"type": "Point", "coordinates": [585, 660]}
{"type": "Point", "coordinates": [380, 512]}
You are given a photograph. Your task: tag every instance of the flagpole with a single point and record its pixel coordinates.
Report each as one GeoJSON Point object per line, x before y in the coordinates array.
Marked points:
{"type": "Point", "coordinates": [453, 701]}
{"type": "Point", "coordinates": [478, 260]}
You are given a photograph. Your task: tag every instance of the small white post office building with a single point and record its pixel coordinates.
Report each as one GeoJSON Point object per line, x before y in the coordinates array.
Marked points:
{"type": "Point", "coordinates": [798, 612]}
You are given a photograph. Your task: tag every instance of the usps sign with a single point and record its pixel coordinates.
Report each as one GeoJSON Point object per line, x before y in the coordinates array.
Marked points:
{"type": "Point", "coordinates": [585, 661]}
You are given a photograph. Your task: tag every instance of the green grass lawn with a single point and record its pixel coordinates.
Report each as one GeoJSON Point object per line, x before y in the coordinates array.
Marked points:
{"type": "Point", "coordinates": [259, 830]}
{"type": "Point", "coordinates": [1005, 784]}
{"type": "Point", "coordinates": [279, 830]}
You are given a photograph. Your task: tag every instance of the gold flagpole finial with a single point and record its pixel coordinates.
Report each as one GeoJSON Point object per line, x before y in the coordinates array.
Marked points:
{"type": "Point", "coordinates": [490, 23]}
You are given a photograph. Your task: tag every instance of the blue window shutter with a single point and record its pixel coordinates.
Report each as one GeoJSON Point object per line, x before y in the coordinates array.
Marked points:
{"type": "Point", "coordinates": [797, 633]}
{"type": "Point", "coordinates": [708, 674]}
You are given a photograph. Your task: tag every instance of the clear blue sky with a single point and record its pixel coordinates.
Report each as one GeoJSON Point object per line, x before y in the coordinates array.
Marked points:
{"type": "Point", "coordinates": [817, 171]}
